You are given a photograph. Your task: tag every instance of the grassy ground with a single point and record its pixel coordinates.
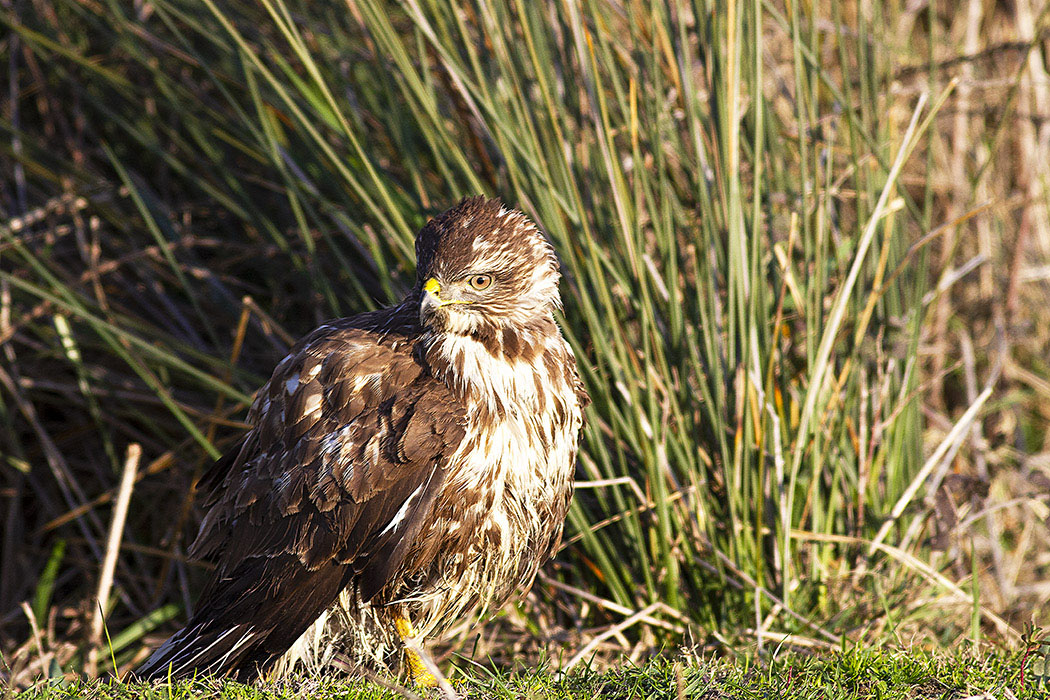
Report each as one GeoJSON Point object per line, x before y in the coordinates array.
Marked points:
{"type": "Point", "coordinates": [868, 674]}
{"type": "Point", "coordinates": [805, 249]}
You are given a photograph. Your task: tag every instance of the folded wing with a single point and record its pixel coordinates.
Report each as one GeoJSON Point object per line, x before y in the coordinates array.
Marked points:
{"type": "Point", "coordinates": [330, 487]}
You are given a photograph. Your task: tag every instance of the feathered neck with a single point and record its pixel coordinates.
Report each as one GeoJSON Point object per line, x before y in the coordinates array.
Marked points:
{"type": "Point", "coordinates": [499, 370]}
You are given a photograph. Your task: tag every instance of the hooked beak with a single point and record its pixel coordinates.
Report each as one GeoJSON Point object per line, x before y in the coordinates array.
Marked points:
{"type": "Point", "coordinates": [433, 291]}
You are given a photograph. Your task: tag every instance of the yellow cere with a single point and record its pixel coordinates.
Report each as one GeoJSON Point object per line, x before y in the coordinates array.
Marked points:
{"type": "Point", "coordinates": [432, 287]}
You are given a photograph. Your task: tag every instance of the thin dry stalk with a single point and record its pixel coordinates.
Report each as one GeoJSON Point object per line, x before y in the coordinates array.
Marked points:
{"type": "Point", "coordinates": [616, 607]}
{"type": "Point", "coordinates": [44, 655]}
{"type": "Point", "coordinates": [950, 443]}
{"type": "Point", "coordinates": [109, 564]}
{"type": "Point", "coordinates": [156, 466]}
{"type": "Point", "coordinates": [611, 632]}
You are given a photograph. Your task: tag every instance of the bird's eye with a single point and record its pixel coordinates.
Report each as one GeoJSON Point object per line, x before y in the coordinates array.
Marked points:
{"type": "Point", "coordinates": [480, 282]}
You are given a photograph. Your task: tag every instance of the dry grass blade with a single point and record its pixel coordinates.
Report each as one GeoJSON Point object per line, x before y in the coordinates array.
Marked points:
{"type": "Point", "coordinates": [610, 632]}
{"type": "Point", "coordinates": [109, 563]}
{"type": "Point", "coordinates": [950, 442]}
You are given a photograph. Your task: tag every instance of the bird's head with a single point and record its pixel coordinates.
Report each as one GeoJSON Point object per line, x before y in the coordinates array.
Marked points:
{"type": "Point", "coordinates": [481, 264]}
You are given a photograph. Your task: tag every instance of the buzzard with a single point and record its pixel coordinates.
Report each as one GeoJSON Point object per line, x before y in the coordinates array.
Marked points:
{"type": "Point", "coordinates": [405, 468]}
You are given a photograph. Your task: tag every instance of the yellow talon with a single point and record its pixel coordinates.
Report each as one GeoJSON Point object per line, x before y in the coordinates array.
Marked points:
{"type": "Point", "coordinates": [421, 675]}
{"type": "Point", "coordinates": [418, 671]}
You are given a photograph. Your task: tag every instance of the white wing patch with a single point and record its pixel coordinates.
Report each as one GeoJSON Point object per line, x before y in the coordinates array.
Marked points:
{"type": "Point", "coordinates": [400, 515]}
{"type": "Point", "coordinates": [313, 404]}
{"type": "Point", "coordinates": [292, 384]}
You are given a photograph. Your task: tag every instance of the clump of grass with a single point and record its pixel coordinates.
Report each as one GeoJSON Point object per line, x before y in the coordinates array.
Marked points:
{"type": "Point", "coordinates": [194, 184]}
{"type": "Point", "coordinates": [852, 674]}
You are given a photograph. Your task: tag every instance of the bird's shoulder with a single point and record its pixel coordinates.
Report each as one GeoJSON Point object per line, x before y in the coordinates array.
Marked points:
{"type": "Point", "coordinates": [344, 367]}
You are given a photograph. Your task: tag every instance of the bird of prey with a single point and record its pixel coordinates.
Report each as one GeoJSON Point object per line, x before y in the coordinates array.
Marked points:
{"type": "Point", "coordinates": [405, 468]}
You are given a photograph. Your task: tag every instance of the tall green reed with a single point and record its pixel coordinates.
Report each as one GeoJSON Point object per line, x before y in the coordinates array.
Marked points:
{"type": "Point", "coordinates": [722, 181]}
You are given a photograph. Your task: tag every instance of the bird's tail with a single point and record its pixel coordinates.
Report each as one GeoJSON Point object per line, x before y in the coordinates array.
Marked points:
{"type": "Point", "coordinates": [200, 648]}
{"type": "Point", "coordinates": [248, 620]}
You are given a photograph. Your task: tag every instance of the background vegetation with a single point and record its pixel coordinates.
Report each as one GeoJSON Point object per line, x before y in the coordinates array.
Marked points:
{"type": "Point", "coordinates": [805, 251]}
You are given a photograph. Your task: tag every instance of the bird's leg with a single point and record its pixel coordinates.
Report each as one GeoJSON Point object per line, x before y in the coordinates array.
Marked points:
{"type": "Point", "coordinates": [421, 675]}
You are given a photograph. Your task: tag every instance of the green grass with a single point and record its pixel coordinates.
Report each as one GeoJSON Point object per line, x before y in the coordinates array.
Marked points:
{"type": "Point", "coordinates": [755, 249]}
{"type": "Point", "coordinates": [857, 674]}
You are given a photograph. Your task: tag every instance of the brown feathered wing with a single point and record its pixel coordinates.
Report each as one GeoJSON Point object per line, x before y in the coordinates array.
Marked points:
{"type": "Point", "coordinates": [330, 487]}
